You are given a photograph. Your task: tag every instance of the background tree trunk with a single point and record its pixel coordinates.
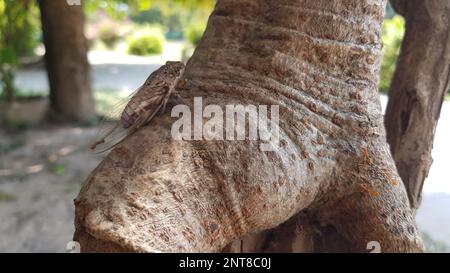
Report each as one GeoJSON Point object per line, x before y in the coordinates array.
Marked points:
{"type": "Point", "coordinates": [319, 61]}
{"type": "Point", "coordinates": [66, 60]}
{"type": "Point", "coordinates": [419, 86]}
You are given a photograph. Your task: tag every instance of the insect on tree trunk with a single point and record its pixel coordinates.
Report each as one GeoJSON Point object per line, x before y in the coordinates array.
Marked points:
{"type": "Point", "coordinates": [66, 60]}
{"type": "Point", "coordinates": [318, 60]}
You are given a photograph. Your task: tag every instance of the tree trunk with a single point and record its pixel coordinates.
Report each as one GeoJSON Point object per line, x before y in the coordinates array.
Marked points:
{"type": "Point", "coordinates": [66, 59]}
{"type": "Point", "coordinates": [418, 89]}
{"type": "Point", "coordinates": [319, 61]}
{"type": "Point", "coordinates": [426, 76]}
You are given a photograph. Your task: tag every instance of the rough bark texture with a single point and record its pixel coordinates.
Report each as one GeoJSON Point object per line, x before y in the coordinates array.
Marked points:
{"type": "Point", "coordinates": [66, 60]}
{"type": "Point", "coordinates": [288, 238]}
{"type": "Point", "coordinates": [319, 60]}
{"type": "Point", "coordinates": [418, 90]}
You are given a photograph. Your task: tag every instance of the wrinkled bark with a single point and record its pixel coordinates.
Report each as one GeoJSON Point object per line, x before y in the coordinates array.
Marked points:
{"type": "Point", "coordinates": [418, 90]}
{"type": "Point", "coordinates": [319, 60]}
{"type": "Point", "coordinates": [67, 65]}
{"type": "Point", "coordinates": [412, 159]}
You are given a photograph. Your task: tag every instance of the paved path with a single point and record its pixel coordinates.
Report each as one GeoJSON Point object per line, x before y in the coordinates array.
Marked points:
{"type": "Point", "coordinates": [111, 71]}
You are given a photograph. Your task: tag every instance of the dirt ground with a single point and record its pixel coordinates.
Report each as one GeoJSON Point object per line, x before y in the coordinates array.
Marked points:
{"type": "Point", "coordinates": [41, 171]}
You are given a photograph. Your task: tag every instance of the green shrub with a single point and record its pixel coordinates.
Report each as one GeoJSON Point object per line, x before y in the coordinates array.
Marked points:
{"type": "Point", "coordinates": [146, 42]}
{"type": "Point", "coordinates": [195, 32]}
{"type": "Point", "coordinates": [150, 16]}
{"type": "Point", "coordinates": [20, 26]}
{"type": "Point", "coordinates": [393, 33]}
{"type": "Point", "coordinates": [109, 36]}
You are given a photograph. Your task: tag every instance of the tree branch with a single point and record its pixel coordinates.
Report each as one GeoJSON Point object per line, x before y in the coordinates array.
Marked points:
{"type": "Point", "coordinates": [417, 92]}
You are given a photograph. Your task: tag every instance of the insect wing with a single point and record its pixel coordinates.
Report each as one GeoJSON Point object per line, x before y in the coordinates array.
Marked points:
{"type": "Point", "coordinates": [151, 98]}
{"type": "Point", "coordinates": [111, 130]}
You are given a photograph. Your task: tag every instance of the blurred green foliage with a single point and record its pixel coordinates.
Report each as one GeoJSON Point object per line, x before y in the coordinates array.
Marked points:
{"type": "Point", "coordinates": [20, 27]}
{"type": "Point", "coordinates": [109, 36]}
{"type": "Point", "coordinates": [178, 18]}
{"type": "Point", "coordinates": [58, 169]}
{"type": "Point", "coordinates": [195, 32]}
{"type": "Point", "coordinates": [147, 41]}
{"type": "Point", "coordinates": [150, 16]}
{"type": "Point", "coordinates": [19, 37]}
{"type": "Point", "coordinates": [122, 8]}
{"type": "Point", "coordinates": [393, 33]}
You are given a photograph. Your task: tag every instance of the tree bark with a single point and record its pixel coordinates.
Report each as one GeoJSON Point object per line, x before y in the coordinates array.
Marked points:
{"type": "Point", "coordinates": [319, 61]}
{"type": "Point", "coordinates": [419, 86]}
{"type": "Point", "coordinates": [428, 29]}
{"type": "Point", "coordinates": [66, 60]}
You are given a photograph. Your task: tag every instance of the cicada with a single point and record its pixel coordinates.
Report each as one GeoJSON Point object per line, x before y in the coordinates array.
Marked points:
{"type": "Point", "coordinates": [145, 103]}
